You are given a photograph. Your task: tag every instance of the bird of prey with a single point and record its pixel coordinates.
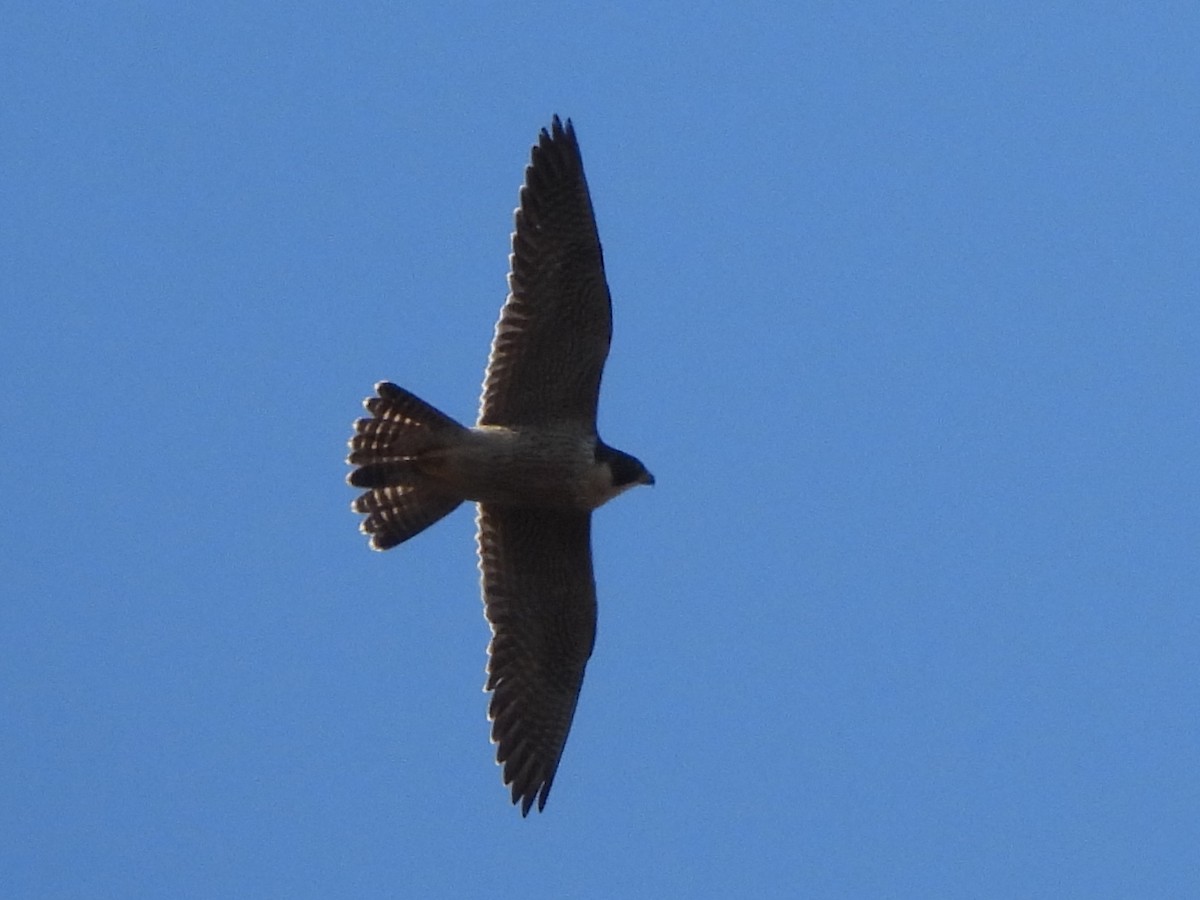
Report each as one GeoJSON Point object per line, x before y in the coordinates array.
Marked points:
{"type": "Point", "coordinates": [533, 463]}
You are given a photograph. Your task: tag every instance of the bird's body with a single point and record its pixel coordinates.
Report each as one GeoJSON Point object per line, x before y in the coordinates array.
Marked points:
{"type": "Point", "coordinates": [537, 467]}
{"type": "Point", "coordinates": [533, 463]}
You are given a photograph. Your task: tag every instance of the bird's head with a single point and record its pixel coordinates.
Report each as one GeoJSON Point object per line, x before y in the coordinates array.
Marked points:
{"type": "Point", "coordinates": [622, 471]}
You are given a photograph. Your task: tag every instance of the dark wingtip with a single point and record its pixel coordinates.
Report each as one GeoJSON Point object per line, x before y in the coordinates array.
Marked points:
{"type": "Point", "coordinates": [559, 130]}
{"type": "Point", "coordinates": [530, 795]}
{"type": "Point", "coordinates": [527, 801]}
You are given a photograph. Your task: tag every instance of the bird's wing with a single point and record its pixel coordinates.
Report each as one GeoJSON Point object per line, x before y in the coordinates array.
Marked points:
{"type": "Point", "coordinates": [540, 600]}
{"type": "Point", "coordinates": [555, 327]}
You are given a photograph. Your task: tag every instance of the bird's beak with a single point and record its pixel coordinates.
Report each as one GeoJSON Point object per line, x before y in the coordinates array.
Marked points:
{"type": "Point", "coordinates": [647, 478]}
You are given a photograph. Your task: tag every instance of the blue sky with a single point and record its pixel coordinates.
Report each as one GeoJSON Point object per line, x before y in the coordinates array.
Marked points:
{"type": "Point", "coordinates": [907, 326]}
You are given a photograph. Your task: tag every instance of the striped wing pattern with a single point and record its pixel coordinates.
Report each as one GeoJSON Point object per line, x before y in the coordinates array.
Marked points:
{"type": "Point", "coordinates": [555, 327]}
{"type": "Point", "coordinates": [540, 600]}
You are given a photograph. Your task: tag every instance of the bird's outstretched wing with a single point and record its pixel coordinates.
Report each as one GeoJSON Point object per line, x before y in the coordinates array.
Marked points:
{"type": "Point", "coordinates": [555, 327]}
{"type": "Point", "coordinates": [540, 599]}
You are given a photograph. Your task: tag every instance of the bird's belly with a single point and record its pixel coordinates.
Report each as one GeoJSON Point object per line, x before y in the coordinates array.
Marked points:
{"type": "Point", "coordinates": [502, 466]}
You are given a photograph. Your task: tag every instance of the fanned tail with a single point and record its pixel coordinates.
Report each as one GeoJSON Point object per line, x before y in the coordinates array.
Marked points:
{"type": "Point", "coordinates": [387, 448]}
{"type": "Point", "coordinates": [394, 514]}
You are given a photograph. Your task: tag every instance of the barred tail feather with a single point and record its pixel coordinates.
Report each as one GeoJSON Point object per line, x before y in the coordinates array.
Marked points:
{"type": "Point", "coordinates": [402, 425]}
{"type": "Point", "coordinates": [387, 449]}
{"type": "Point", "coordinates": [394, 514]}
{"type": "Point", "coordinates": [384, 474]}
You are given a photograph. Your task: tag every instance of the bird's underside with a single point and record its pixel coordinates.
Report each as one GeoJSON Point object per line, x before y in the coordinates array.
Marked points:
{"type": "Point", "coordinates": [533, 463]}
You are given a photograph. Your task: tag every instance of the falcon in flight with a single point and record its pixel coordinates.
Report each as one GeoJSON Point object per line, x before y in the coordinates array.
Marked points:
{"type": "Point", "coordinates": [533, 464]}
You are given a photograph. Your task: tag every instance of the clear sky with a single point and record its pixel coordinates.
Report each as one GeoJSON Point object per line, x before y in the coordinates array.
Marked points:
{"type": "Point", "coordinates": [907, 326]}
